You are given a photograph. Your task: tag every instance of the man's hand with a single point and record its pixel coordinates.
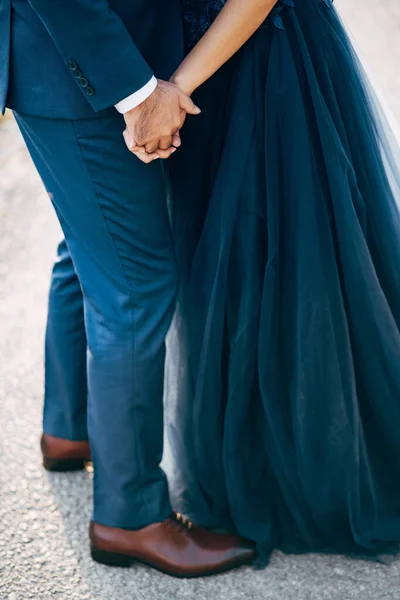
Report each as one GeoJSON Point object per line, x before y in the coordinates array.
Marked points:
{"type": "Point", "coordinates": [153, 126]}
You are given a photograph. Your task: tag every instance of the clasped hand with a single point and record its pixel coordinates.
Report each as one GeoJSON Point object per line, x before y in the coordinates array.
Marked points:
{"type": "Point", "coordinates": [153, 128]}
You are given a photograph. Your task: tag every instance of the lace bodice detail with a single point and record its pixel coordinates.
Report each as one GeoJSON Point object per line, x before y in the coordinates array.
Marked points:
{"type": "Point", "coordinates": [199, 15]}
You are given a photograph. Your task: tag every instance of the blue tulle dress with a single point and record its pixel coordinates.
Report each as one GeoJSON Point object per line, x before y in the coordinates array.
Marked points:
{"type": "Point", "coordinates": [285, 351]}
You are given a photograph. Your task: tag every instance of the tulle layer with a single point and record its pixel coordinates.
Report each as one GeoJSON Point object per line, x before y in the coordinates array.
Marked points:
{"type": "Point", "coordinates": [285, 350]}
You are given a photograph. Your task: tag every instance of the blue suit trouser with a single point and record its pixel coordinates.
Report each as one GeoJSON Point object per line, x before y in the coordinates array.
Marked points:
{"type": "Point", "coordinates": [111, 303]}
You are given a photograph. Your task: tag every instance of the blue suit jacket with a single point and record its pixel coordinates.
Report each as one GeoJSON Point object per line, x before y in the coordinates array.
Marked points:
{"type": "Point", "coordinates": [73, 58]}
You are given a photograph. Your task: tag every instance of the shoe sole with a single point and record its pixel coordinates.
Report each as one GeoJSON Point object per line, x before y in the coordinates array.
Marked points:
{"type": "Point", "coordinates": [64, 465]}
{"type": "Point", "coordinates": [113, 559]}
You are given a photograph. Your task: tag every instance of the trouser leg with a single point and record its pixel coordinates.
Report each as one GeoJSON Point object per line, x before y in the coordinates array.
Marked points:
{"type": "Point", "coordinates": [113, 213]}
{"type": "Point", "coordinates": [65, 404]}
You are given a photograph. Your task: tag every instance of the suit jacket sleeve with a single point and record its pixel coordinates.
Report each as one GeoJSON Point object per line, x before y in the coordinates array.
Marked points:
{"type": "Point", "coordinates": [96, 47]}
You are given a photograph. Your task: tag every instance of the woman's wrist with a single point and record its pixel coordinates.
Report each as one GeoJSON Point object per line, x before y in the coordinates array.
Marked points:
{"type": "Point", "coordinates": [183, 83]}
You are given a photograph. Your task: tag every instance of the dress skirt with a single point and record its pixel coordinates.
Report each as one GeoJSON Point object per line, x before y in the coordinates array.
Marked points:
{"type": "Point", "coordinates": [284, 413]}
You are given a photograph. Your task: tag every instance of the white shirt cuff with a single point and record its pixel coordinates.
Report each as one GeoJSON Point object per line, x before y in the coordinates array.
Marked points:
{"type": "Point", "coordinates": [137, 98]}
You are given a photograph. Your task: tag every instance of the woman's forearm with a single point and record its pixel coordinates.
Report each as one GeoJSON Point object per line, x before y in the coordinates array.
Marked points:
{"type": "Point", "coordinates": [236, 23]}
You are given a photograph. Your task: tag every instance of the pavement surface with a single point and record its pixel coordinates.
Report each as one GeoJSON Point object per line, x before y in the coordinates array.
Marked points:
{"type": "Point", "coordinates": [44, 517]}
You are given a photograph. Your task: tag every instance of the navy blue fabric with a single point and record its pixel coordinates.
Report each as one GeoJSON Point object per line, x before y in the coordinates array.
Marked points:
{"type": "Point", "coordinates": [285, 199]}
{"type": "Point", "coordinates": [115, 45]}
{"type": "Point", "coordinates": [66, 386]}
{"type": "Point", "coordinates": [5, 20]}
{"type": "Point", "coordinates": [198, 17]}
{"type": "Point", "coordinates": [119, 252]}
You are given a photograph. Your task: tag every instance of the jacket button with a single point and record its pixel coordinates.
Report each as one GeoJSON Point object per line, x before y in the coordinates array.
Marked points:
{"type": "Point", "coordinates": [77, 73]}
{"type": "Point", "coordinates": [89, 91]}
{"type": "Point", "coordinates": [72, 65]}
{"type": "Point", "coordinates": [84, 82]}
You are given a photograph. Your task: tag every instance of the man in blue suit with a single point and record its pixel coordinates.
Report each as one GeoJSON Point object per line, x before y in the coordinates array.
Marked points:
{"type": "Point", "coordinates": [76, 73]}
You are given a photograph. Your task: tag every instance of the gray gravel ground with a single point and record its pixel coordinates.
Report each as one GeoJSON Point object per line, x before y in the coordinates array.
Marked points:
{"type": "Point", "coordinates": [43, 517]}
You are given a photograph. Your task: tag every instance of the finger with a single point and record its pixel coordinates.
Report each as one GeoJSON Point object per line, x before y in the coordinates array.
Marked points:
{"type": "Point", "coordinates": [165, 153]}
{"type": "Point", "coordinates": [165, 143]}
{"type": "Point", "coordinates": [130, 142]}
{"type": "Point", "coordinates": [138, 149]}
{"type": "Point", "coordinates": [151, 147]}
{"type": "Point", "coordinates": [146, 158]}
{"type": "Point", "coordinates": [188, 105]}
{"type": "Point", "coordinates": [176, 140]}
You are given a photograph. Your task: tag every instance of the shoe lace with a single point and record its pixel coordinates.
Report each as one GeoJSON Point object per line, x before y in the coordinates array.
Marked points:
{"type": "Point", "coordinates": [180, 522]}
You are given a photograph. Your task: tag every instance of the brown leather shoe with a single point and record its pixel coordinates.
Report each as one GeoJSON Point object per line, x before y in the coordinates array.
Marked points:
{"type": "Point", "coordinates": [176, 547]}
{"type": "Point", "coordinates": [64, 455]}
